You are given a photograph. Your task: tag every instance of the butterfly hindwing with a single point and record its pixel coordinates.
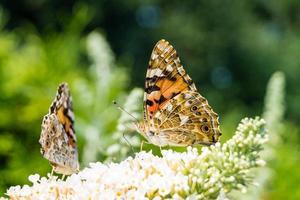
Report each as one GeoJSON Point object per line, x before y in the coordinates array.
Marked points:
{"type": "Point", "coordinates": [187, 119]}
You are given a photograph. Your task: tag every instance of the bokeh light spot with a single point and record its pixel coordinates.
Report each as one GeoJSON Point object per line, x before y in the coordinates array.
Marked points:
{"type": "Point", "coordinates": [221, 77]}
{"type": "Point", "coordinates": [147, 16]}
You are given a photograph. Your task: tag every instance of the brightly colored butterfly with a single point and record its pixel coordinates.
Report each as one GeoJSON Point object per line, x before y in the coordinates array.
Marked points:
{"type": "Point", "coordinates": [175, 113]}
{"type": "Point", "coordinates": [58, 139]}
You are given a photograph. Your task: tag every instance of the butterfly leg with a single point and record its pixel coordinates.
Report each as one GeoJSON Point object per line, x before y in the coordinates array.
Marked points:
{"type": "Point", "coordinates": [63, 177]}
{"type": "Point", "coordinates": [160, 149]}
{"type": "Point", "coordinates": [51, 174]}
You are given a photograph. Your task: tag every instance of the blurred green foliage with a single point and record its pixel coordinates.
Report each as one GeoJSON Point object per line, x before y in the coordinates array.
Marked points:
{"type": "Point", "coordinates": [229, 48]}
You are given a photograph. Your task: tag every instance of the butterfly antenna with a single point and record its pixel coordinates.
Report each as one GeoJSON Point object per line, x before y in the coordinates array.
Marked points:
{"type": "Point", "coordinates": [122, 109]}
{"type": "Point", "coordinates": [128, 143]}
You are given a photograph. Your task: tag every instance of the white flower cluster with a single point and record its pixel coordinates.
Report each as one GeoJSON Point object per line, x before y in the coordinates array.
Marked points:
{"type": "Point", "coordinates": [207, 174]}
{"type": "Point", "coordinates": [273, 114]}
{"type": "Point", "coordinates": [275, 106]}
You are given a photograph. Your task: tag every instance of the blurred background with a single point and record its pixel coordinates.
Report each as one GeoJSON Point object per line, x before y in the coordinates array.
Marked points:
{"type": "Point", "coordinates": [231, 49]}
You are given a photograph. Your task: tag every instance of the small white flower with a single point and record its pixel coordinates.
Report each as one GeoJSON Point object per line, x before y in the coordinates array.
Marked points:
{"type": "Point", "coordinates": [34, 178]}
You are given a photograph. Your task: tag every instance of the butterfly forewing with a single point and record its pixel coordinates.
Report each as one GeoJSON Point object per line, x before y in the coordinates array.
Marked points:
{"type": "Point", "coordinates": [165, 78]}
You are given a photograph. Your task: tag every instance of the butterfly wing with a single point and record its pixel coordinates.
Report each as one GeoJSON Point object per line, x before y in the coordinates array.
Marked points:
{"type": "Point", "coordinates": [58, 139]}
{"type": "Point", "coordinates": [165, 78]}
{"type": "Point", "coordinates": [187, 119]}
{"type": "Point", "coordinates": [169, 100]}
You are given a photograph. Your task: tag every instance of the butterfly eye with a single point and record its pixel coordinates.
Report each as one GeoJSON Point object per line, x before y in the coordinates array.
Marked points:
{"type": "Point", "coordinates": [205, 128]}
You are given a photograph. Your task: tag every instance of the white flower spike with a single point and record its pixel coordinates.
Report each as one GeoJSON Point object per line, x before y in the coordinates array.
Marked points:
{"type": "Point", "coordinates": [207, 174]}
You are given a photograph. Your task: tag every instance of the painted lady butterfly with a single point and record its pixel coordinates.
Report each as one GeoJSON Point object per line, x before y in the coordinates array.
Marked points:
{"type": "Point", "coordinates": [58, 138]}
{"type": "Point", "coordinates": [175, 113]}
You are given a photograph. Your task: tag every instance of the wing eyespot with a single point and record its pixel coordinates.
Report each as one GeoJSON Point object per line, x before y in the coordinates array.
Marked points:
{"type": "Point", "coordinates": [194, 108]}
{"type": "Point", "coordinates": [205, 128]}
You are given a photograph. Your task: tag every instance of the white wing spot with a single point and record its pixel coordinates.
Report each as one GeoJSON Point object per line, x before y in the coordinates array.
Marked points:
{"type": "Point", "coordinates": [161, 46]}
{"type": "Point", "coordinates": [154, 72]}
{"type": "Point", "coordinates": [154, 56]}
{"type": "Point", "coordinates": [187, 95]}
{"type": "Point", "coordinates": [157, 115]}
{"type": "Point", "coordinates": [169, 107]}
{"type": "Point", "coordinates": [183, 119]}
{"type": "Point", "coordinates": [181, 70]}
{"type": "Point", "coordinates": [71, 114]}
{"type": "Point", "coordinates": [169, 68]}
{"type": "Point", "coordinates": [177, 61]}
{"type": "Point", "coordinates": [187, 104]}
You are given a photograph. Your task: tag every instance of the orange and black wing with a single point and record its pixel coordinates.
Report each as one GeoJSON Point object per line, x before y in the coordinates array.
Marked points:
{"type": "Point", "coordinates": [165, 78]}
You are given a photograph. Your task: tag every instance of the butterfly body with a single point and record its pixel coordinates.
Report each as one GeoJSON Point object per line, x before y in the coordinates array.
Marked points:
{"type": "Point", "coordinates": [58, 139]}
{"type": "Point", "coordinates": [175, 113]}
